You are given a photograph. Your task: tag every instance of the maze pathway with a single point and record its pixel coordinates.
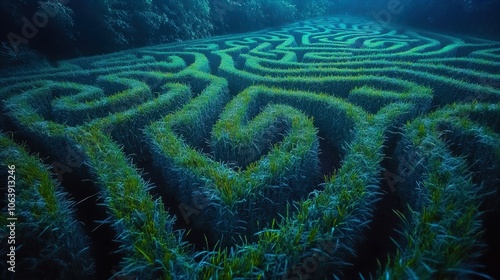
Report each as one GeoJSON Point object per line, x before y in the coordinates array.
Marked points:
{"type": "Point", "coordinates": [283, 150]}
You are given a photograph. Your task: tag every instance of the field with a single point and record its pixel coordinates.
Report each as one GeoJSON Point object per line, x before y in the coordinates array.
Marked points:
{"type": "Point", "coordinates": [324, 148]}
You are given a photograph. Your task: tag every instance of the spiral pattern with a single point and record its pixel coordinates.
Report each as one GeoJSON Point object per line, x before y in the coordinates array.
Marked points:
{"type": "Point", "coordinates": [281, 147]}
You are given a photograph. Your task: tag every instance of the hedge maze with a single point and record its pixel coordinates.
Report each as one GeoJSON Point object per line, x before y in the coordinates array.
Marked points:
{"type": "Point", "coordinates": [326, 148]}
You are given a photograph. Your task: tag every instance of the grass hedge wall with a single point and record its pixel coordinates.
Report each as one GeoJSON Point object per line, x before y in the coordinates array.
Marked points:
{"type": "Point", "coordinates": [325, 148]}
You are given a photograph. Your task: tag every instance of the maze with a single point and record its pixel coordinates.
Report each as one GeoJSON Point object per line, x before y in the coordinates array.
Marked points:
{"type": "Point", "coordinates": [325, 148]}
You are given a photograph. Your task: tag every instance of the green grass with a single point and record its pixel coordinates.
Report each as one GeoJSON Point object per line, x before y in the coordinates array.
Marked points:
{"type": "Point", "coordinates": [287, 133]}
{"type": "Point", "coordinates": [144, 229]}
{"type": "Point", "coordinates": [50, 242]}
{"type": "Point", "coordinates": [441, 236]}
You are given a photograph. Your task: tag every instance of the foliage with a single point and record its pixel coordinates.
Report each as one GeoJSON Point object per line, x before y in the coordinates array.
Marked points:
{"type": "Point", "coordinates": [275, 149]}
{"type": "Point", "coordinates": [120, 24]}
{"type": "Point", "coordinates": [135, 23]}
{"type": "Point", "coordinates": [312, 8]}
{"type": "Point", "coordinates": [50, 242]}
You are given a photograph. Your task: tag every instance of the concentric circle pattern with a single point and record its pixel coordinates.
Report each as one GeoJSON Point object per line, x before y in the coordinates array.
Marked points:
{"type": "Point", "coordinates": [281, 154]}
